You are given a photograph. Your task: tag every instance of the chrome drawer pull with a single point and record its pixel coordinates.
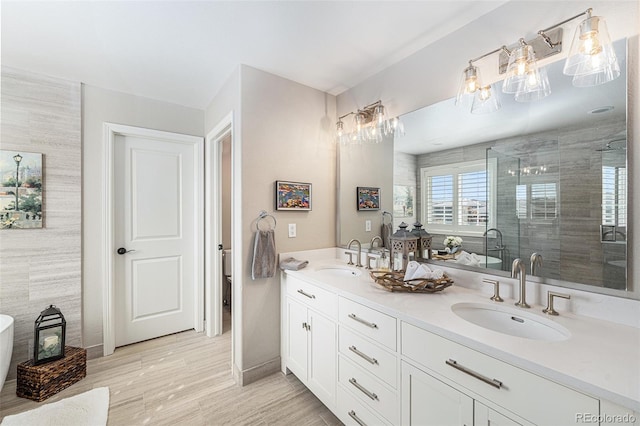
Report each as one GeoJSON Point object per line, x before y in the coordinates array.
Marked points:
{"type": "Point", "coordinates": [363, 390]}
{"type": "Point", "coordinates": [363, 355]}
{"type": "Point", "coordinates": [352, 414]}
{"type": "Point", "coordinates": [310, 296]}
{"type": "Point", "coordinates": [493, 382]}
{"type": "Point", "coordinates": [367, 323]}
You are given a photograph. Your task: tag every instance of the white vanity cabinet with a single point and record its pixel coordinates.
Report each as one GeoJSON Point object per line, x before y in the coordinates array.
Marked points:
{"type": "Point", "coordinates": [368, 362]}
{"type": "Point", "coordinates": [310, 340]}
{"type": "Point", "coordinates": [508, 390]}
{"type": "Point", "coordinates": [373, 364]}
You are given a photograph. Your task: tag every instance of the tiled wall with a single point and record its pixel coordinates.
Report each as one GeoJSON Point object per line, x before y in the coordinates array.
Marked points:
{"type": "Point", "coordinates": [39, 267]}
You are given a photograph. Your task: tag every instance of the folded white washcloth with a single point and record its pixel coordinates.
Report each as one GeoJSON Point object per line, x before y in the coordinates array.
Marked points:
{"type": "Point", "coordinates": [466, 258]}
{"type": "Point", "coordinates": [420, 271]}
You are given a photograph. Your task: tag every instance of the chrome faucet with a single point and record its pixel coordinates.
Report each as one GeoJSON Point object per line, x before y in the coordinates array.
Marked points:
{"type": "Point", "coordinates": [358, 264]}
{"type": "Point", "coordinates": [373, 240]}
{"type": "Point", "coordinates": [498, 234]}
{"type": "Point", "coordinates": [518, 271]}
{"type": "Point", "coordinates": [536, 261]}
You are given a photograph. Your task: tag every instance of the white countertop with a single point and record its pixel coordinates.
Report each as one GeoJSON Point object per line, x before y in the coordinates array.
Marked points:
{"type": "Point", "coordinates": [600, 358]}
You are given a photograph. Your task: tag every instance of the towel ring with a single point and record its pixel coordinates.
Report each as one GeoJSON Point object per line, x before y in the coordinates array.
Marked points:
{"type": "Point", "coordinates": [387, 213]}
{"type": "Point", "coordinates": [263, 216]}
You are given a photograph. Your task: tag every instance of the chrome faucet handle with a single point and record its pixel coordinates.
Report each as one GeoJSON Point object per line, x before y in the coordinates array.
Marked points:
{"type": "Point", "coordinates": [369, 259]}
{"type": "Point", "coordinates": [496, 289]}
{"type": "Point", "coordinates": [550, 295]}
{"type": "Point", "coordinates": [348, 253]}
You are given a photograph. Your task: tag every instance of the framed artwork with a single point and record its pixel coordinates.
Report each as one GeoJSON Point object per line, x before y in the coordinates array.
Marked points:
{"type": "Point", "coordinates": [21, 187]}
{"type": "Point", "coordinates": [293, 196]}
{"type": "Point", "coordinates": [368, 198]}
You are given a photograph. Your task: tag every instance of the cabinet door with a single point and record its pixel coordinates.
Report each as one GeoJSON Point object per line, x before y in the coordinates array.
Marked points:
{"type": "Point", "coordinates": [485, 416]}
{"type": "Point", "coordinates": [297, 346]}
{"type": "Point", "coordinates": [322, 357]}
{"type": "Point", "coordinates": [428, 401]}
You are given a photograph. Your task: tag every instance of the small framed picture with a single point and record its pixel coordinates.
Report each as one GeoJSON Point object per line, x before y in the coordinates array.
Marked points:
{"type": "Point", "coordinates": [293, 196]}
{"type": "Point", "coordinates": [368, 198]}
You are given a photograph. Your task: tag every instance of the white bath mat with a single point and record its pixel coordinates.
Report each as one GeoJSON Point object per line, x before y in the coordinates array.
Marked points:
{"type": "Point", "coordinates": [87, 409]}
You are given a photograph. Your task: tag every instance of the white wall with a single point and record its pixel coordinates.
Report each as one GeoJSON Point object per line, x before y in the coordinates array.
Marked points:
{"type": "Point", "coordinates": [100, 106]}
{"type": "Point", "coordinates": [432, 74]}
{"type": "Point", "coordinates": [282, 131]}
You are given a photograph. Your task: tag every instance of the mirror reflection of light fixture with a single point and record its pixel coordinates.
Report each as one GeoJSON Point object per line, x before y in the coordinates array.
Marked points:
{"type": "Point", "coordinates": [370, 126]}
{"type": "Point", "coordinates": [591, 61]}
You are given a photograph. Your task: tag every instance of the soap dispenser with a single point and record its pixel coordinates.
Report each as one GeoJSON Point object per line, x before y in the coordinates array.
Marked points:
{"type": "Point", "coordinates": [382, 263]}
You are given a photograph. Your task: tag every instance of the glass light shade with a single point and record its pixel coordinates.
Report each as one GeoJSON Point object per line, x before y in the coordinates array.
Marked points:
{"type": "Point", "coordinates": [469, 84]}
{"type": "Point", "coordinates": [383, 127]}
{"type": "Point", "coordinates": [397, 126]}
{"type": "Point", "coordinates": [485, 100]}
{"type": "Point", "coordinates": [522, 62]}
{"type": "Point", "coordinates": [535, 87]}
{"type": "Point", "coordinates": [591, 55]}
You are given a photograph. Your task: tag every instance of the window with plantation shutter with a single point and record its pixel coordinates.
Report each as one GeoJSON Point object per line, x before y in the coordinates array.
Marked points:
{"type": "Point", "coordinates": [537, 201]}
{"type": "Point", "coordinates": [455, 197]}
{"type": "Point", "coordinates": [614, 196]}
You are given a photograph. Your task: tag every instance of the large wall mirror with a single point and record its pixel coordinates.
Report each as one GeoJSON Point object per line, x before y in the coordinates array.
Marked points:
{"type": "Point", "coordinates": [547, 177]}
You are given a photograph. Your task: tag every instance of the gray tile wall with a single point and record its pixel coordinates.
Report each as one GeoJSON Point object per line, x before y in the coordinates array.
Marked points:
{"type": "Point", "coordinates": [39, 267]}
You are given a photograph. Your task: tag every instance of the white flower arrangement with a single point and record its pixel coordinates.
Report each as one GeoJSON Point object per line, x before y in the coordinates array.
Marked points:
{"type": "Point", "coordinates": [452, 241]}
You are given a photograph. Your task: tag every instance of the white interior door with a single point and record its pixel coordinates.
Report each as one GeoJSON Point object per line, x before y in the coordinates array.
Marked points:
{"type": "Point", "coordinates": [155, 233]}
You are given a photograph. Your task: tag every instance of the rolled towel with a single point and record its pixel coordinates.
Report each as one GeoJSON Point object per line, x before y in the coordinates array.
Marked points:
{"type": "Point", "coordinates": [292, 264]}
{"type": "Point", "coordinates": [420, 271]}
{"type": "Point", "coordinates": [412, 268]}
{"type": "Point", "coordinates": [466, 258]}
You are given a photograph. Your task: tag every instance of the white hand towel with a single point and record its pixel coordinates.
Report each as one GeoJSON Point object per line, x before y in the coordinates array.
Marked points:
{"type": "Point", "coordinates": [412, 268]}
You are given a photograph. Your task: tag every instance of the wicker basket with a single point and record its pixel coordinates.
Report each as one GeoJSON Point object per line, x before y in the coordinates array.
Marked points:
{"type": "Point", "coordinates": [39, 382]}
{"type": "Point", "coordinates": [394, 281]}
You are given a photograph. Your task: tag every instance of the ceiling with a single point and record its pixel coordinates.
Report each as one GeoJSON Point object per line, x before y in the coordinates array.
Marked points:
{"type": "Point", "coordinates": [183, 51]}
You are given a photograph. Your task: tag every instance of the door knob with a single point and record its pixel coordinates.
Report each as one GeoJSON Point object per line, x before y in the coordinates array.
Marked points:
{"type": "Point", "coordinates": [123, 250]}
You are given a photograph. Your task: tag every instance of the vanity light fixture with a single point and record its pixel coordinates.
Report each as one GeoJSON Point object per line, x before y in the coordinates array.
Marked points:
{"type": "Point", "coordinates": [484, 101]}
{"type": "Point", "coordinates": [591, 61]}
{"type": "Point", "coordinates": [524, 78]}
{"type": "Point", "coordinates": [370, 126]}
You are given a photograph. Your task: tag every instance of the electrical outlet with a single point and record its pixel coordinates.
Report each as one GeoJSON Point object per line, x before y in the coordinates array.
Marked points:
{"type": "Point", "coordinates": [292, 230]}
{"type": "Point", "coordinates": [367, 226]}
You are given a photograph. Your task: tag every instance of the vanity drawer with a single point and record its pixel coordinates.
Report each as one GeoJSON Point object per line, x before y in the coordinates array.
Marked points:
{"type": "Point", "coordinates": [369, 390]}
{"type": "Point", "coordinates": [528, 395]}
{"type": "Point", "coordinates": [368, 322]}
{"type": "Point", "coordinates": [354, 413]}
{"type": "Point", "coordinates": [371, 357]}
{"type": "Point", "coordinates": [313, 296]}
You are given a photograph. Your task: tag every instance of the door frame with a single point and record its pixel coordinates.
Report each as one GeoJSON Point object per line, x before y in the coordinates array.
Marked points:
{"type": "Point", "coordinates": [110, 131]}
{"type": "Point", "coordinates": [213, 222]}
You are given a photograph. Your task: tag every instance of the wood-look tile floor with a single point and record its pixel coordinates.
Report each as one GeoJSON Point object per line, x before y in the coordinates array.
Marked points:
{"type": "Point", "coordinates": [185, 378]}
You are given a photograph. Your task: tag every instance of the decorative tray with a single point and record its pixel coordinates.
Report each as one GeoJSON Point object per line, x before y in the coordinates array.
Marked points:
{"type": "Point", "coordinates": [394, 281]}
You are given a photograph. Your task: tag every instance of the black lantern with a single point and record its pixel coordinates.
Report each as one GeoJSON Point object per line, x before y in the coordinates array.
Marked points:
{"type": "Point", "coordinates": [424, 240]}
{"type": "Point", "coordinates": [49, 332]}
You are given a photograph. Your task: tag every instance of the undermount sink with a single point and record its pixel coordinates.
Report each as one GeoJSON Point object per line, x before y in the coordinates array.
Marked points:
{"type": "Point", "coordinates": [338, 271]}
{"type": "Point", "coordinates": [511, 321]}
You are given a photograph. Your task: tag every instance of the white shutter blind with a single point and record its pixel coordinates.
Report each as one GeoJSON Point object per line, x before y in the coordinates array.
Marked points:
{"type": "Point", "coordinates": [472, 198]}
{"type": "Point", "coordinates": [614, 196]}
{"type": "Point", "coordinates": [440, 200]}
{"type": "Point", "coordinates": [543, 201]}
